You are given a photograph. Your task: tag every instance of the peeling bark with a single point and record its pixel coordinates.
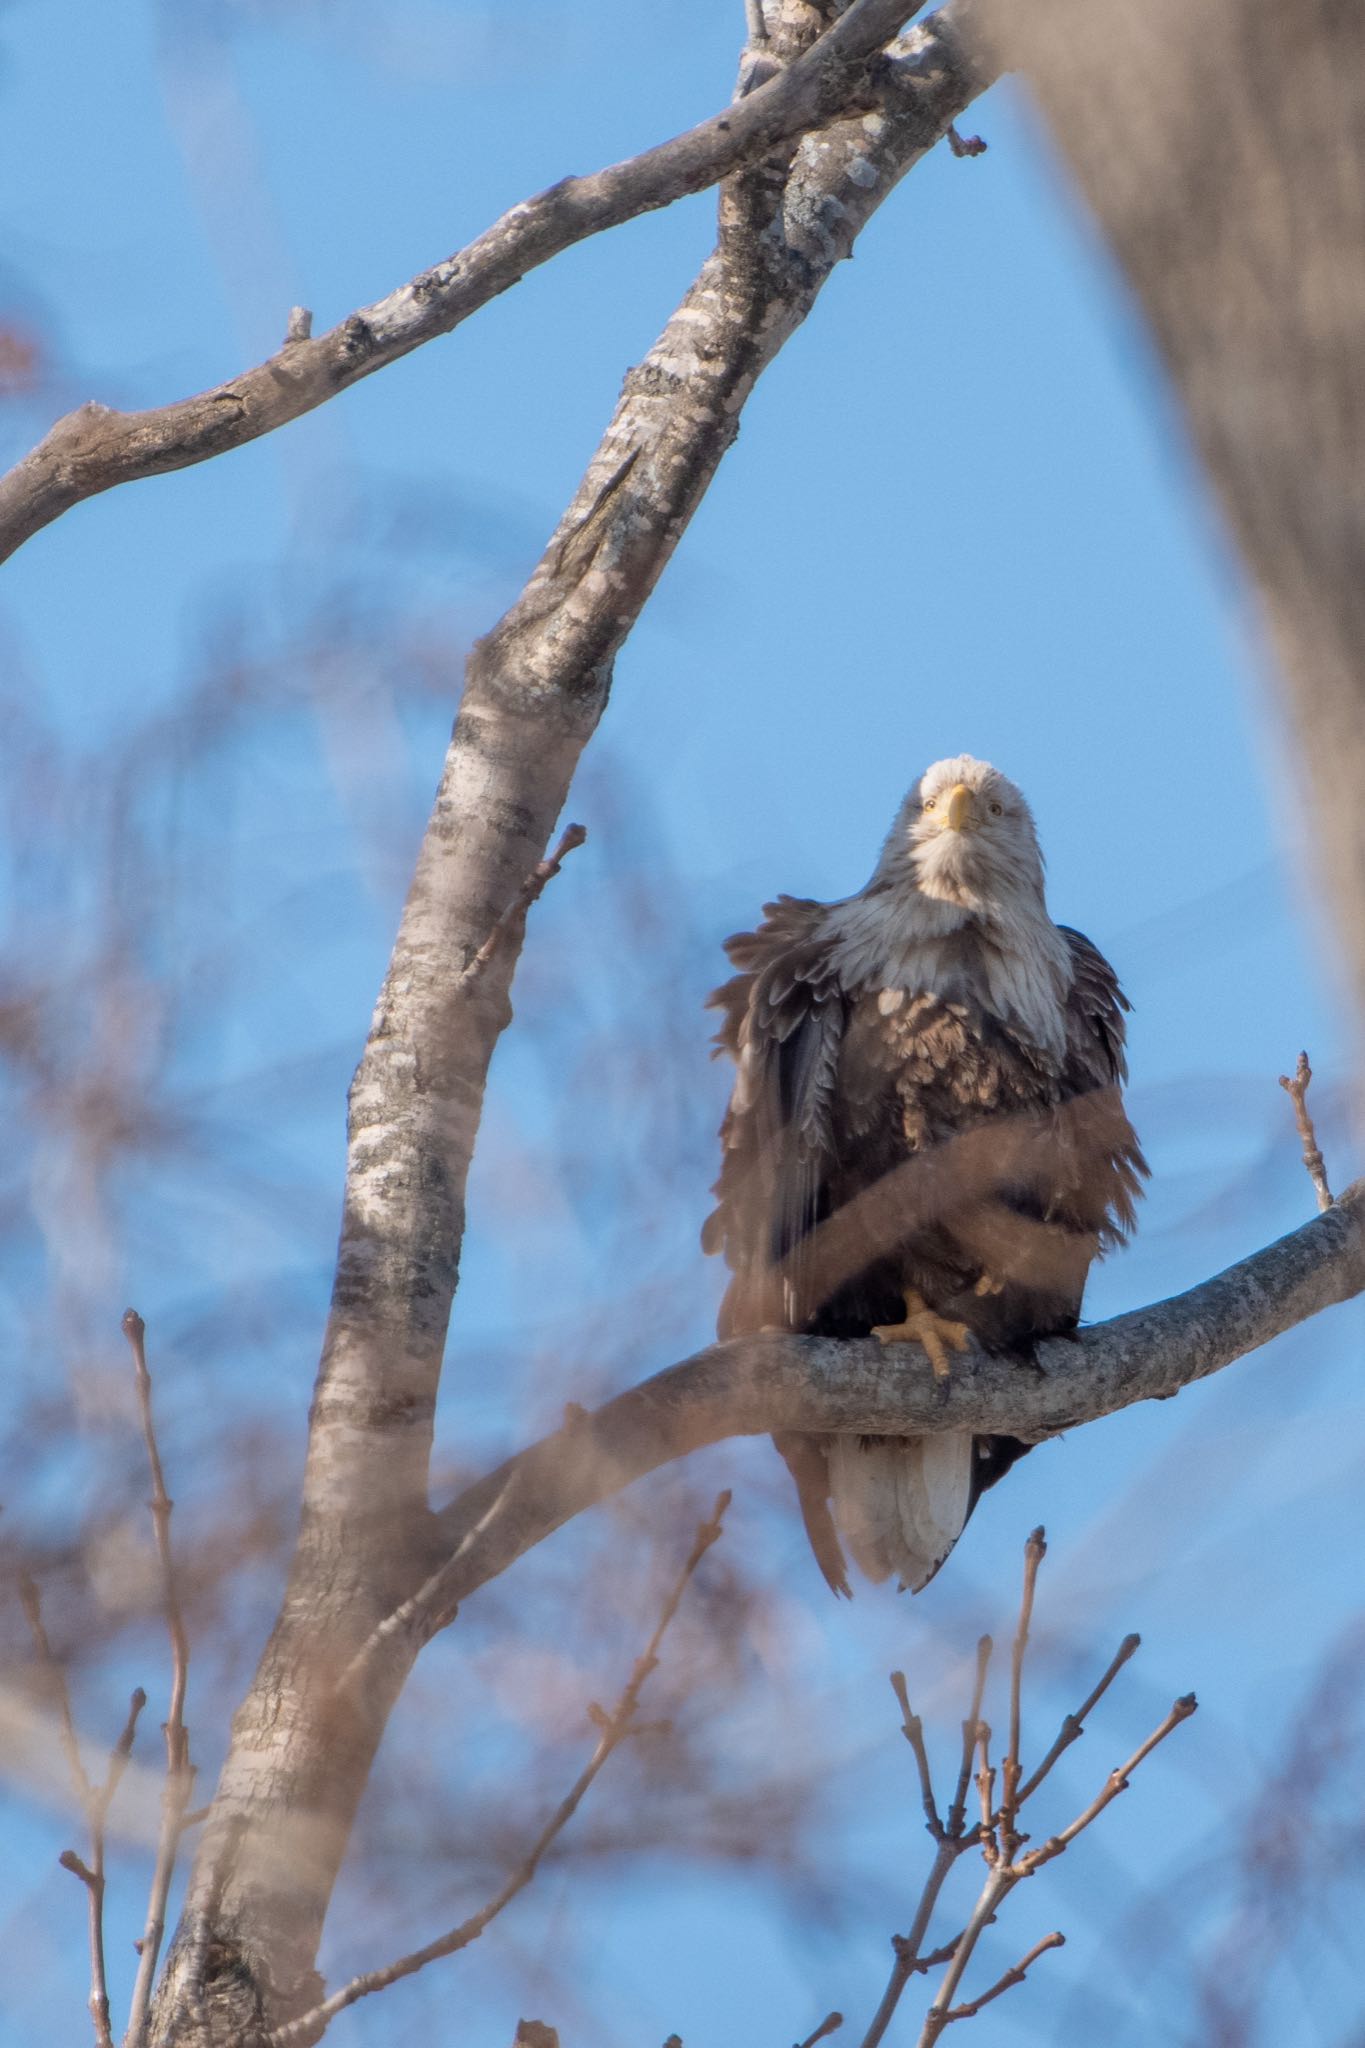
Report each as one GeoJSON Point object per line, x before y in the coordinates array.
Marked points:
{"type": "Point", "coordinates": [304, 1737]}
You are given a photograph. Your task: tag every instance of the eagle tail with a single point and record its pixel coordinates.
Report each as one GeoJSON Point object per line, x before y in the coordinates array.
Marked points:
{"type": "Point", "coordinates": [805, 1456]}
{"type": "Point", "coordinates": [900, 1503]}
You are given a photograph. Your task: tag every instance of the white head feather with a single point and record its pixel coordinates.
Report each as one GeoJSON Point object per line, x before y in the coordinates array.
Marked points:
{"type": "Point", "coordinates": [957, 898]}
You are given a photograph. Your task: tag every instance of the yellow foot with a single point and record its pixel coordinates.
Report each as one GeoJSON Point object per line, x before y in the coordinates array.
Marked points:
{"type": "Point", "coordinates": [922, 1326]}
{"type": "Point", "coordinates": [986, 1285]}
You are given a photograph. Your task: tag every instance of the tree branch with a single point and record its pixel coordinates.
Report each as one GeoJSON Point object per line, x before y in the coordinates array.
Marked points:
{"type": "Point", "coordinates": [1296, 1087]}
{"type": "Point", "coordinates": [613, 1729]}
{"type": "Point", "coordinates": [180, 1772]}
{"type": "Point", "coordinates": [95, 1799]}
{"type": "Point", "coordinates": [302, 1742]}
{"type": "Point", "coordinates": [755, 1385]}
{"type": "Point", "coordinates": [93, 449]}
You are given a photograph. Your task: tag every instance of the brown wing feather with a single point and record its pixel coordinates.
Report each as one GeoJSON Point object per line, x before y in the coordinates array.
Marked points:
{"type": "Point", "coordinates": [782, 1022]}
{"type": "Point", "coordinates": [783, 1019]}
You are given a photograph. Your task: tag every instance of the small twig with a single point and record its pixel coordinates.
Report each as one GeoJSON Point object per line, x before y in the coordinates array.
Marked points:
{"type": "Point", "coordinates": [95, 1799]}
{"type": "Point", "coordinates": [1011, 1977]}
{"type": "Point", "coordinates": [965, 145]}
{"type": "Point", "coordinates": [916, 1966]}
{"type": "Point", "coordinates": [830, 2024]}
{"type": "Point", "coordinates": [1035, 1550]}
{"type": "Point", "coordinates": [1000, 1882]}
{"type": "Point", "coordinates": [1116, 1782]}
{"type": "Point", "coordinates": [953, 1841]}
{"type": "Point", "coordinates": [31, 1600]}
{"type": "Point", "coordinates": [100, 1802]}
{"type": "Point", "coordinates": [300, 327]}
{"type": "Point", "coordinates": [1073, 1727]}
{"type": "Point", "coordinates": [1297, 1091]}
{"type": "Point", "coordinates": [175, 1797]}
{"type": "Point", "coordinates": [613, 1727]}
{"type": "Point", "coordinates": [957, 1812]}
{"type": "Point", "coordinates": [544, 871]}
{"type": "Point", "coordinates": [985, 1785]}
{"type": "Point", "coordinates": [997, 1830]}
{"type": "Point", "coordinates": [913, 1730]}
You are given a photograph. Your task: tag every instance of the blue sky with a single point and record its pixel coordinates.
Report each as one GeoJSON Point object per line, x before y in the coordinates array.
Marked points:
{"type": "Point", "coordinates": [959, 516]}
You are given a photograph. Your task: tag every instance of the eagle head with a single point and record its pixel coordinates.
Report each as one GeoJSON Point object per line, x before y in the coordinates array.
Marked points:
{"type": "Point", "coordinates": [968, 837]}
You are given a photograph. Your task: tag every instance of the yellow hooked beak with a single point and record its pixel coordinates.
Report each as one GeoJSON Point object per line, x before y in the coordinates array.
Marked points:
{"type": "Point", "coordinates": [959, 807]}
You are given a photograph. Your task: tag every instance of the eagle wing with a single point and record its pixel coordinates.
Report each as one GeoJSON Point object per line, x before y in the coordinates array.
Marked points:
{"type": "Point", "coordinates": [783, 1018]}
{"type": "Point", "coordinates": [1113, 1168]}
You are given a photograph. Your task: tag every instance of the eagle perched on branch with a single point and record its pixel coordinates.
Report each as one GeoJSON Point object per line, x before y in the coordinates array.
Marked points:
{"type": "Point", "coordinates": [926, 1142]}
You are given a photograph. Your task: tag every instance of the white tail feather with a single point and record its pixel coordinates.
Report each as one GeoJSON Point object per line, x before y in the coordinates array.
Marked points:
{"type": "Point", "coordinates": [900, 1505]}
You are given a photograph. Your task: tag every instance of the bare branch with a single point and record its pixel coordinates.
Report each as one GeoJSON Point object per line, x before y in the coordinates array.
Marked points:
{"type": "Point", "coordinates": [830, 2024]}
{"type": "Point", "coordinates": [179, 1770]}
{"type": "Point", "coordinates": [614, 1728]}
{"type": "Point", "coordinates": [913, 1730]}
{"type": "Point", "coordinates": [368, 1572]}
{"type": "Point", "coordinates": [1035, 1550]}
{"type": "Point", "coordinates": [999, 1883]}
{"type": "Point", "coordinates": [1011, 1977]}
{"type": "Point", "coordinates": [511, 925]}
{"type": "Point", "coordinates": [755, 1385]}
{"type": "Point", "coordinates": [1297, 1091]}
{"type": "Point", "coordinates": [100, 1802]}
{"type": "Point", "coordinates": [1073, 1727]}
{"type": "Point", "coordinates": [1116, 1782]}
{"type": "Point", "coordinates": [93, 449]}
{"type": "Point", "coordinates": [957, 1812]}
{"type": "Point", "coordinates": [95, 1800]}
{"type": "Point", "coordinates": [952, 1841]}
{"type": "Point", "coordinates": [1003, 1874]}
{"type": "Point", "coordinates": [31, 1600]}
{"type": "Point", "coordinates": [985, 1789]}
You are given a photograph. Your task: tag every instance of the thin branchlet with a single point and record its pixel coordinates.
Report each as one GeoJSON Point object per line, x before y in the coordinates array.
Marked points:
{"type": "Point", "coordinates": [614, 1727]}
{"type": "Point", "coordinates": [180, 1772]}
{"type": "Point", "coordinates": [997, 1831]}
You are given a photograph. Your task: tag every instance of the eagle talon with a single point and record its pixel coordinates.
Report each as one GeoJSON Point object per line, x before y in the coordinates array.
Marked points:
{"type": "Point", "coordinates": [988, 1285]}
{"type": "Point", "coordinates": [934, 1333]}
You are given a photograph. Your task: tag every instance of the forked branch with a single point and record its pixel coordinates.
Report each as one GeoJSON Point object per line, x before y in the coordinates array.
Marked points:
{"type": "Point", "coordinates": [95, 1799]}
{"type": "Point", "coordinates": [997, 1832]}
{"type": "Point", "coordinates": [93, 449]}
{"type": "Point", "coordinates": [614, 1728]}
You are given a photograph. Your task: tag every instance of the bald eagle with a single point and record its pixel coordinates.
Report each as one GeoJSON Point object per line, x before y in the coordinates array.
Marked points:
{"type": "Point", "coordinates": [925, 1141]}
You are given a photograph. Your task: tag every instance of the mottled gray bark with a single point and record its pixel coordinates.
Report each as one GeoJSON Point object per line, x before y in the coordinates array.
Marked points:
{"type": "Point", "coordinates": [303, 1740]}
{"type": "Point", "coordinates": [94, 448]}
{"type": "Point", "coordinates": [755, 1385]}
{"type": "Point", "coordinates": [1221, 148]}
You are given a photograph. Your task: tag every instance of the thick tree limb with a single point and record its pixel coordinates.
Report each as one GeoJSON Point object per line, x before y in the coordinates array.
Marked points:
{"type": "Point", "coordinates": [302, 1740]}
{"type": "Point", "coordinates": [93, 449]}
{"type": "Point", "coordinates": [755, 1385]}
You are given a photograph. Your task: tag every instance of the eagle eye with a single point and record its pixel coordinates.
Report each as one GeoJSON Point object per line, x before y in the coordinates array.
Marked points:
{"type": "Point", "coordinates": [929, 802]}
{"type": "Point", "coordinates": [996, 809]}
